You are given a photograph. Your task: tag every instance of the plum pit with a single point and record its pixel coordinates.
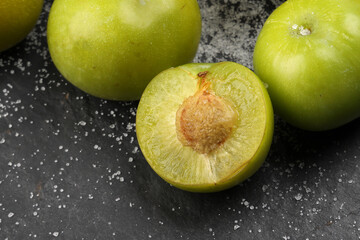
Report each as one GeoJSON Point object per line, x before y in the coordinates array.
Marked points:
{"type": "Point", "coordinates": [204, 121]}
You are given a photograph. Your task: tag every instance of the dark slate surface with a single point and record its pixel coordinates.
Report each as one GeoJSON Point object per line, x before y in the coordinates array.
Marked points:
{"type": "Point", "coordinates": [71, 168]}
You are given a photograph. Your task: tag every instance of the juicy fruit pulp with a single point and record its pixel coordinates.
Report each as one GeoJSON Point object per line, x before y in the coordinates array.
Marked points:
{"type": "Point", "coordinates": [308, 53]}
{"type": "Point", "coordinates": [205, 127]}
{"type": "Point", "coordinates": [17, 19]}
{"type": "Point", "coordinates": [112, 49]}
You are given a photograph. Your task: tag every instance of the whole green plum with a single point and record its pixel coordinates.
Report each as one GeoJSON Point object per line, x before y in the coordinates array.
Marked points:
{"type": "Point", "coordinates": [112, 49]}
{"type": "Point", "coordinates": [308, 53]}
{"type": "Point", "coordinates": [17, 19]}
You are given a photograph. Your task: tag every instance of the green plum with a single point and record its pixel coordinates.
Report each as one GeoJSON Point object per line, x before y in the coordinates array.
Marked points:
{"type": "Point", "coordinates": [308, 53]}
{"type": "Point", "coordinates": [17, 19]}
{"type": "Point", "coordinates": [205, 127]}
{"type": "Point", "coordinates": [112, 49]}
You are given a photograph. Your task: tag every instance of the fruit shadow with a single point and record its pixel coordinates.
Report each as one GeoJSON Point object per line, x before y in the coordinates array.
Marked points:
{"type": "Point", "coordinates": [292, 144]}
{"type": "Point", "coordinates": [307, 153]}
{"type": "Point", "coordinates": [289, 165]}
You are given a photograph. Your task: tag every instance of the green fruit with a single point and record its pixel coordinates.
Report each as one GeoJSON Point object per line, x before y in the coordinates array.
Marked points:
{"type": "Point", "coordinates": [112, 49]}
{"type": "Point", "coordinates": [17, 19]}
{"type": "Point", "coordinates": [308, 53]}
{"type": "Point", "coordinates": [205, 127]}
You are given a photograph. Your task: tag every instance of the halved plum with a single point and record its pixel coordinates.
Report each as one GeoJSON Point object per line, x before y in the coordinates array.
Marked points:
{"type": "Point", "coordinates": [205, 127]}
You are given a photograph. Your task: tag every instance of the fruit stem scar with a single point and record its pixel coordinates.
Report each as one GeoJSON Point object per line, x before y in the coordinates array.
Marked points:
{"type": "Point", "coordinates": [203, 84]}
{"type": "Point", "coordinates": [301, 30]}
{"type": "Point", "coordinates": [202, 74]}
{"type": "Point", "coordinates": [204, 121]}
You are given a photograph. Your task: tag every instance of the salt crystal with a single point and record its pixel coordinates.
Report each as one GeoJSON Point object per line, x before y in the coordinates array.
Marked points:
{"type": "Point", "coordinates": [298, 196]}
{"type": "Point", "coordinates": [82, 123]}
{"type": "Point", "coordinates": [304, 31]}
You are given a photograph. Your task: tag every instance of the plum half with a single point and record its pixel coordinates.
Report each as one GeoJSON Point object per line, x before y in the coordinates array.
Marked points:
{"type": "Point", "coordinates": [205, 127]}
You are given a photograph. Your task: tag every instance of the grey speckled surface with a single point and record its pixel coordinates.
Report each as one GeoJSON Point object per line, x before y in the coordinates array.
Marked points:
{"type": "Point", "coordinates": [70, 166]}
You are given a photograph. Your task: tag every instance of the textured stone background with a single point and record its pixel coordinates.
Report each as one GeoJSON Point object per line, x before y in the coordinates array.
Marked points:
{"type": "Point", "coordinates": [230, 29]}
{"type": "Point", "coordinates": [70, 165]}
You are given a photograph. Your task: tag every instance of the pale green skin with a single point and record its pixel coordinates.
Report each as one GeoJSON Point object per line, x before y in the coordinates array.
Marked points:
{"type": "Point", "coordinates": [17, 19]}
{"type": "Point", "coordinates": [112, 48]}
{"type": "Point", "coordinates": [313, 80]}
{"type": "Point", "coordinates": [240, 156]}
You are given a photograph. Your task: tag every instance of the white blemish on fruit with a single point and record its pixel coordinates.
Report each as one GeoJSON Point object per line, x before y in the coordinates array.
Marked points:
{"type": "Point", "coordinates": [352, 24]}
